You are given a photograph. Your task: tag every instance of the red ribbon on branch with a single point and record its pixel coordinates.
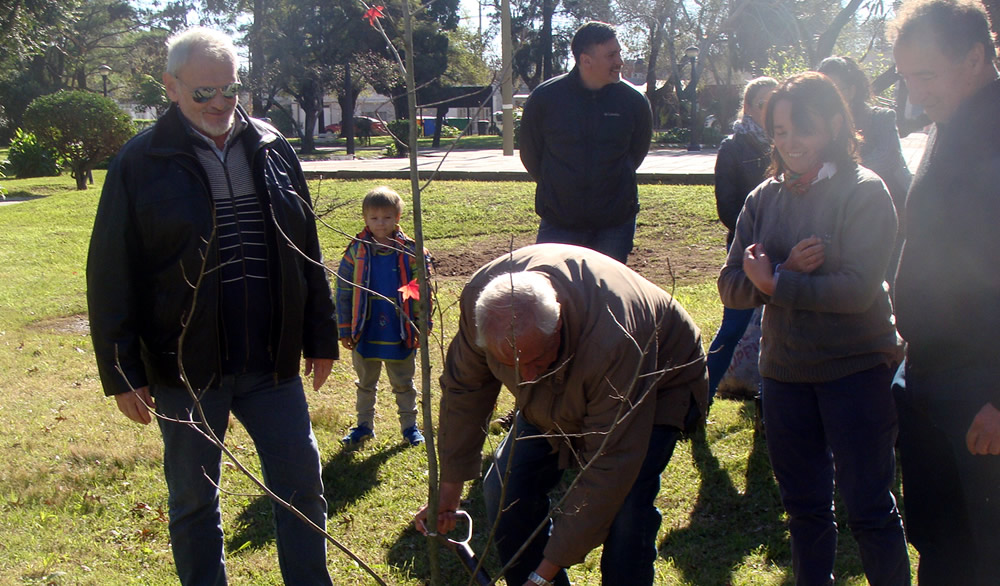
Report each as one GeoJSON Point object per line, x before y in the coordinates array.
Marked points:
{"type": "Point", "coordinates": [374, 13]}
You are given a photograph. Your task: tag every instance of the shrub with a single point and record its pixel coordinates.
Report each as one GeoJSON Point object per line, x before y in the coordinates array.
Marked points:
{"type": "Point", "coordinates": [28, 158]}
{"type": "Point", "coordinates": [400, 130]}
{"type": "Point", "coordinates": [84, 128]}
{"type": "Point", "coordinates": [674, 136]}
{"type": "Point", "coordinates": [450, 131]}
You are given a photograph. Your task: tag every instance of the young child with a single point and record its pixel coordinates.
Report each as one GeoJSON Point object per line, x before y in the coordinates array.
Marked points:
{"type": "Point", "coordinates": [381, 259]}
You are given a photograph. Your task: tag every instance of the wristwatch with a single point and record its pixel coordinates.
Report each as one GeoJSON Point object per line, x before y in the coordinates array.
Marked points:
{"type": "Point", "coordinates": [535, 578]}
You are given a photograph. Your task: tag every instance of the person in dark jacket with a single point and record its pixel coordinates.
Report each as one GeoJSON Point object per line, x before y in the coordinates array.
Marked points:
{"type": "Point", "coordinates": [740, 166]}
{"type": "Point", "coordinates": [880, 150]}
{"type": "Point", "coordinates": [205, 277]}
{"type": "Point", "coordinates": [946, 292]}
{"type": "Point", "coordinates": [583, 135]}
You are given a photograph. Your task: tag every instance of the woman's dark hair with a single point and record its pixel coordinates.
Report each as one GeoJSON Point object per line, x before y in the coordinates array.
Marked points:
{"type": "Point", "coordinates": [813, 94]}
{"type": "Point", "coordinates": [847, 71]}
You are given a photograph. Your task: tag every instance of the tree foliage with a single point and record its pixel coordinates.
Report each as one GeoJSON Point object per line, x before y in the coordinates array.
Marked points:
{"type": "Point", "coordinates": [82, 127]}
{"type": "Point", "coordinates": [541, 32]}
{"type": "Point", "coordinates": [25, 25]}
{"type": "Point", "coordinates": [432, 20]}
{"type": "Point", "coordinates": [71, 39]}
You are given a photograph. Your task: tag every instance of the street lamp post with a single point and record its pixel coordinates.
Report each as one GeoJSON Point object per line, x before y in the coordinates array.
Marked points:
{"type": "Point", "coordinates": [104, 70]}
{"type": "Point", "coordinates": [691, 53]}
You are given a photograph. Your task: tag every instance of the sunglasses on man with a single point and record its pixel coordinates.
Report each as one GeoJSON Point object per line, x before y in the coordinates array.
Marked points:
{"type": "Point", "coordinates": [204, 94]}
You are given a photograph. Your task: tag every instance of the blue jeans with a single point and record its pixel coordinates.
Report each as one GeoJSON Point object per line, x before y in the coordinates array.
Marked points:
{"type": "Point", "coordinates": [952, 514]}
{"type": "Point", "coordinates": [845, 430]}
{"type": "Point", "coordinates": [614, 241]}
{"type": "Point", "coordinates": [276, 416]}
{"type": "Point", "coordinates": [630, 548]}
{"type": "Point", "coordinates": [720, 353]}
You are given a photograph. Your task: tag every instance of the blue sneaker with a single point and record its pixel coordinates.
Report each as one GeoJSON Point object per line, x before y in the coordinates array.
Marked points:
{"type": "Point", "coordinates": [412, 434]}
{"type": "Point", "coordinates": [358, 436]}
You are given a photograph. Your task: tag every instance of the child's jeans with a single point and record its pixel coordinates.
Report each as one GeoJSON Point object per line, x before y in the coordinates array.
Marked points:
{"type": "Point", "coordinates": [400, 379]}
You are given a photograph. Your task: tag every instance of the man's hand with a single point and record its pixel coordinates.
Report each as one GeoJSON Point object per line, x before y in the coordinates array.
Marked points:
{"type": "Point", "coordinates": [449, 499]}
{"type": "Point", "coordinates": [136, 405]}
{"type": "Point", "coordinates": [348, 343]}
{"type": "Point", "coordinates": [545, 569]}
{"type": "Point", "coordinates": [983, 437]}
{"type": "Point", "coordinates": [320, 369]}
{"type": "Point", "coordinates": [757, 267]}
{"type": "Point", "coordinates": [806, 256]}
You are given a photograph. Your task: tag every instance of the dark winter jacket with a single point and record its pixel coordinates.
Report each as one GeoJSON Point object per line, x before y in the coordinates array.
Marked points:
{"type": "Point", "coordinates": [881, 152]}
{"type": "Point", "coordinates": [153, 240]}
{"type": "Point", "coordinates": [739, 167]}
{"type": "Point", "coordinates": [582, 147]}
{"type": "Point", "coordinates": [948, 285]}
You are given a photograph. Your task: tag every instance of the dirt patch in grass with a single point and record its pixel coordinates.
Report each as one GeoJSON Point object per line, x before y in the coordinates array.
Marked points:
{"type": "Point", "coordinates": [667, 261]}
{"type": "Point", "coordinates": [663, 262]}
{"type": "Point", "coordinates": [77, 324]}
{"type": "Point", "coordinates": [459, 263]}
{"type": "Point", "coordinates": [674, 262]}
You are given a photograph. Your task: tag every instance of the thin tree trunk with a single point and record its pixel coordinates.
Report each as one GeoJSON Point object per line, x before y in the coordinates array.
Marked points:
{"type": "Point", "coordinates": [548, 8]}
{"type": "Point", "coordinates": [433, 550]}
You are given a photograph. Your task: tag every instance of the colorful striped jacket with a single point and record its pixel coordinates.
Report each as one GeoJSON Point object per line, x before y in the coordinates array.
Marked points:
{"type": "Point", "coordinates": [352, 302]}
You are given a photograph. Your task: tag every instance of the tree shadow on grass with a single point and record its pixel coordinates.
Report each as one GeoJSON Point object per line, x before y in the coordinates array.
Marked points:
{"type": "Point", "coordinates": [346, 478]}
{"type": "Point", "coordinates": [726, 525]}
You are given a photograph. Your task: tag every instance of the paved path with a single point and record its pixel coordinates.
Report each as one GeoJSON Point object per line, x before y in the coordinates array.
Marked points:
{"type": "Point", "coordinates": [661, 165]}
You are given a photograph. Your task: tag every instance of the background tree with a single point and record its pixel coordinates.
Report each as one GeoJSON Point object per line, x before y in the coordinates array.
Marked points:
{"type": "Point", "coordinates": [467, 59]}
{"type": "Point", "coordinates": [83, 128]}
{"type": "Point", "coordinates": [301, 47]}
{"type": "Point", "coordinates": [149, 93]}
{"type": "Point", "coordinates": [432, 20]}
{"type": "Point", "coordinates": [25, 25]}
{"type": "Point", "coordinates": [67, 49]}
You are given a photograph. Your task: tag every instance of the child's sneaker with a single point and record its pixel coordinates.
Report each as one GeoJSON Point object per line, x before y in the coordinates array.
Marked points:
{"type": "Point", "coordinates": [358, 436]}
{"type": "Point", "coordinates": [412, 434]}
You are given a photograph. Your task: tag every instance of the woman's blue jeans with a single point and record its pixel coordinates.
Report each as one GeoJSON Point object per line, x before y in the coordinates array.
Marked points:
{"type": "Point", "coordinates": [276, 416]}
{"type": "Point", "coordinates": [630, 548]}
{"type": "Point", "coordinates": [841, 430]}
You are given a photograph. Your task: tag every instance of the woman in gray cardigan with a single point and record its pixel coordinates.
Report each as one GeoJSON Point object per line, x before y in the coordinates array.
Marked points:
{"type": "Point", "coordinates": [811, 245]}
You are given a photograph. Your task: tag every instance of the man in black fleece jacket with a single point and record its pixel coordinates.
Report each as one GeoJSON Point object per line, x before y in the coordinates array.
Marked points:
{"type": "Point", "coordinates": [947, 290]}
{"type": "Point", "coordinates": [583, 135]}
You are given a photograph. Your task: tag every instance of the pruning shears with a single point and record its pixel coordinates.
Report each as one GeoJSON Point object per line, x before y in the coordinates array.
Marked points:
{"type": "Point", "coordinates": [465, 553]}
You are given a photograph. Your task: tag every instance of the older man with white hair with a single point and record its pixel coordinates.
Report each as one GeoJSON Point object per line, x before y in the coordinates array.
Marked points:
{"type": "Point", "coordinates": [205, 275]}
{"type": "Point", "coordinates": [607, 371]}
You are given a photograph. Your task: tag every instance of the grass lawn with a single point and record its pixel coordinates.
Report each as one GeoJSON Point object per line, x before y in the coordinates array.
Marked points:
{"type": "Point", "coordinates": [82, 499]}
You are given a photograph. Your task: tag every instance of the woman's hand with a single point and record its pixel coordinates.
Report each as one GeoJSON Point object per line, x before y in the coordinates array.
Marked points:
{"type": "Point", "coordinates": [806, 256]}
{"type": "Point", "coordinates": [757, 267]}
